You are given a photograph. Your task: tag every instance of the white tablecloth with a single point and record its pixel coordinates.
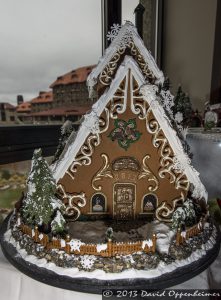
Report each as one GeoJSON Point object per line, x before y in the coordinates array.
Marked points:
{"type": "Point", "coordinates": [14, 285]}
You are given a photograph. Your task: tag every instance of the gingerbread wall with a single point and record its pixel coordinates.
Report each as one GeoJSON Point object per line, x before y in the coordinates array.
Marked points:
{"type": "Point", "coordinates": [128, 164]}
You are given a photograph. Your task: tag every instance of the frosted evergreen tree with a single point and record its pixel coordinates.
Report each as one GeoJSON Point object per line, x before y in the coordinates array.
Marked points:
{"type": "Point", "coordinates": [40, 202]}
{"type": "Point", "coordinates": [178, 218]}
{"type": "Point", "coordinates": [66, 130]}
{"type": "Point", "coordinates": [190, 212]}
{"type": "Point", "coordinates": [109, 233]}
{"type": "Point", "coordinates": [58, 223]}
{"type": "Point", "coordinates": [182, 107]}
{"type": "Point", "coordinates": [166, 84]}
{"type": "Point", "coordinates": [184, 216]}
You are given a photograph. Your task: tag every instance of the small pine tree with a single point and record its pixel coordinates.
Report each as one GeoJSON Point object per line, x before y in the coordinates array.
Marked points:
{"type": "Point", "coordinates": [182, 105]}
{"type": "Point", "coordinates": [66, 130]}
{"type": "Point", "coordinates": [184, 216]}
{"type": "Point", "coordinates": [178, 218]}
{"type": "Point", "coordinates": [166, 84]}
{"type": "Point", "coordinates": [40, 201]}
{"type": "Point", "coordinates": [109, 233]}
{"type": "Point", "coordinates": [58, 223]}
{"type": "Point", "coordinates": [190, 212]}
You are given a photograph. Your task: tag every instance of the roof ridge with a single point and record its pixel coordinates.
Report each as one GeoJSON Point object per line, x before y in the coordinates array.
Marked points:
{"type": "Point", "coordinates": [121, 38]}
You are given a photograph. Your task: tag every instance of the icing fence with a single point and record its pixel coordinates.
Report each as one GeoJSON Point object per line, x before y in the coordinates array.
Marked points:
{"type": "Point", "coordinates": [109, 249]}
{"type": "Point", "coordinates": [73, 246]}
{"type": "Point", "coordinates": [183, 236]}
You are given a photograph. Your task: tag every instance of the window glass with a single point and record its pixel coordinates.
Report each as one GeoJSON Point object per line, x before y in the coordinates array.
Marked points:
{"type": "Point", "coordinates": [51, 39]}
{"type": "Point", "coordinates": [128, 7]}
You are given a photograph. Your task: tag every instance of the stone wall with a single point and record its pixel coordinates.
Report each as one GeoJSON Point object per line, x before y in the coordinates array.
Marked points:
{"type": "Point", "coordinates": [36, 107]}
{"type": "Point", "coordinates": [72, 94]}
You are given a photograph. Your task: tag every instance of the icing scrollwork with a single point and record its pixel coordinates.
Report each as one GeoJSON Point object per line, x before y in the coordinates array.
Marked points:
{"type": "Point", "coordinates": [75, 202]}
{"type": "Point", "coordinates": [104, 121]}
{"type": "Point", "coordinates": [166, 153]}
{"type": "Point", "coordinates": [84, 157]}
{"type": "Point", "coordinates": [164, 211]}
{"type": "Point", "coordinates": [146, 172]}
{"type": "Point", "coordinates": [108, 72]}
{"type": "Point", "coordinates": [103, 172]}
{"type": "Point", "coordinates": [182, 182]}
{"type": "Point", "coordinates": [118, 103]}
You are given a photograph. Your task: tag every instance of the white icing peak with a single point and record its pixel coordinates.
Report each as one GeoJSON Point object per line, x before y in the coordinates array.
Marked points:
{"type": "Point", "coordinates": [121, 37]}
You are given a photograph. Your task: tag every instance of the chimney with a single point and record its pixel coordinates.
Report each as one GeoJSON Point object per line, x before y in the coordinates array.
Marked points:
{"type": "Point", "coordinates": [20, 99]}
{"type": "Point", "coordinates": [139, 11]}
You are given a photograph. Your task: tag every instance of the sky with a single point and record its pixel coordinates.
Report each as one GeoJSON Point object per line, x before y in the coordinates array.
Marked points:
{"type": "Point", "coordinates": [41, 40]}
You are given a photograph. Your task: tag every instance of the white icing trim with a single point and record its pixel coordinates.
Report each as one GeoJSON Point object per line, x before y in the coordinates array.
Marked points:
{"type": "Point", "coordinates": [111, 50]}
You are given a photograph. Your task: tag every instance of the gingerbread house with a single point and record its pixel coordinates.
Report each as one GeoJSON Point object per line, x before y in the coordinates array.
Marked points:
{"type": "Point", "coordinates": [126, 161]}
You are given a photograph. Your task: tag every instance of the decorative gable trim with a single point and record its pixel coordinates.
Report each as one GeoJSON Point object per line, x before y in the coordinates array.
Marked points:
{"type": "Point", "coordinates": [126, 37]}
{"type": "Point", "coordinates": [180, 163]}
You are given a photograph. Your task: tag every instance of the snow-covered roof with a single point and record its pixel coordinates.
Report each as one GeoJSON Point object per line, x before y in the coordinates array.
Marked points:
{"type": "Point", "coordinates": [127, 32]}
{"type": "Point", "coordinates": [90, 125]}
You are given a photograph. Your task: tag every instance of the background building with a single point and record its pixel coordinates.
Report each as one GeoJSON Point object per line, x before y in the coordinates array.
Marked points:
{"type": "Point", "coordinates": [7, 112]}
{"type": "Point", "coordinates": [68, 99]}
{"type": "Point", "coordinates": [70, 88]}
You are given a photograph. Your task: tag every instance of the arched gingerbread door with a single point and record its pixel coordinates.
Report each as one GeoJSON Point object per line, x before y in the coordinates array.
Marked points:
{"type": "Point", "coordinates": [124, 201]}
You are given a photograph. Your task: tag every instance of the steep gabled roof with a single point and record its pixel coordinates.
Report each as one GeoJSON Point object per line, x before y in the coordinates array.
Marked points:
{"type": "Point", "coordinates": [126, 35]}
{"type": "Point", "coordinates": [90, 125]}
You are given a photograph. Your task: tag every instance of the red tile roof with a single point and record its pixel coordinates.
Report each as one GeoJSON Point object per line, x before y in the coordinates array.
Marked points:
{"type": "Point", "coordinates": [44, 97]}
{"type": "Point", "coordinates": [24, 107]}
{"type": "Point", "coordinates": [63, 111]}
{"type": "Point", "coordinates": [76, 76]}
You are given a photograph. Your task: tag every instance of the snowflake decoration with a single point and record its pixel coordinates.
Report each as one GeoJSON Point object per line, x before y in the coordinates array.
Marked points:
{"type": "Point", "coordinates": [114, 32]}
{"type": "Point", "coordinates": [124, 38]}
{"type": "Point", "coordinates": [178, 117]}
{"type": "Point", "coordinates": [75, 245]}
{"type": "Point", "coordinates": [91, 122]}
{"type": "Point", "coordinates": [167, 101]}
{"type": "Point", "coordinates": [87, 261]}
{"type": "Point", "coordinates": [125, 133]}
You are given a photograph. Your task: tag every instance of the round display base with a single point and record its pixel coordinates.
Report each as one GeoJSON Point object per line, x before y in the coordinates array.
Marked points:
{"type": "Point", "coordinates": [96, 286]}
